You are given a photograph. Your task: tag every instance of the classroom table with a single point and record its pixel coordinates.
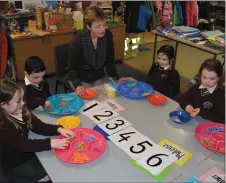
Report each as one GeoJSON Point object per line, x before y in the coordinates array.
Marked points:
{"type": "Point", "coordinates": [216, 160]}
{"type": "Point", "coordinates": [184, 41]}
{"type": "Point", "coordinates": [114, 165]}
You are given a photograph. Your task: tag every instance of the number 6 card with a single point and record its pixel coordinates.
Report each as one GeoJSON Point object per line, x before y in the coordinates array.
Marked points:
{"type": "Point", "coordinates": [157, 160]}
{"type": "Point", "coordinates": [114, 125]}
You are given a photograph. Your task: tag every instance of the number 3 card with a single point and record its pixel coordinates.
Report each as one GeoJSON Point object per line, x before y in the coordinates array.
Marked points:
{"type": "Point", "coordinates": [114, 125]}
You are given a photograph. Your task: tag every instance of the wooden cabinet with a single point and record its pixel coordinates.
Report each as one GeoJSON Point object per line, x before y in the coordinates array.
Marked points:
{"type": "Point", "coordinates": [43, 46]}
{"type": "Point", "coordinates": [119, 35]}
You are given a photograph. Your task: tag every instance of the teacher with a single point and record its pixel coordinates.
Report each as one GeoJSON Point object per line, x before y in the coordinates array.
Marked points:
{"type": "Point", "coordinates": [91, 53]}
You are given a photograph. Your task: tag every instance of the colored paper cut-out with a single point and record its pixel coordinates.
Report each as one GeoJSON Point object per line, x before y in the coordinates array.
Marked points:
{"type": "Point", "coordinates": [77, 157]}
{"type": "Point", "coordinates": [158, 177]}
{"type": "Point", "coordinates": [181, 154]}
{"type": "Point", "coordinates": [192, 180]}
{"type": "Point", "coordinates": [90, 138]}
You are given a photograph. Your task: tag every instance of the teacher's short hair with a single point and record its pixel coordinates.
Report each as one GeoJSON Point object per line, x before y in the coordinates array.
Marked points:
{"type": "Point", "coordinates": [93, 14]}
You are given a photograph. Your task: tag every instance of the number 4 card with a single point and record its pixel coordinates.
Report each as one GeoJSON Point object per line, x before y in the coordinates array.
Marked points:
{"type": "Point", "coordinates": [127, 135]}
{"type": "Point", "coordinates": [157, 160]}
{"type": "Point", "coordinates": [114, 125]}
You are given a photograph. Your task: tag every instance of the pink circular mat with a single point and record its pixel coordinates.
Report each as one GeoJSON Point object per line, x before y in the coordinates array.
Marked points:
{"type": "Point", "coordinates": [212, 136]}
{"type": "Point", "coordinates": [86, 146]}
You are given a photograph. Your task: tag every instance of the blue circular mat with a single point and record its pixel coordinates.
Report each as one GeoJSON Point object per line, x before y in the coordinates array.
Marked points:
{"type": "Point", "coordinates": [135, 89]}
{"type": "Point", "coordinates": [64, 104]}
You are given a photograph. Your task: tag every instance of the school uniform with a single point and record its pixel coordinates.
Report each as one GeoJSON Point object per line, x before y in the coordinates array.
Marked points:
{"type": "Point", "coordinates": [164, 80]}
{"type": "Point", "coordinates": [36, 95]}
{"type": "Point", "coordinates": [211, 102]}
{"type": "Point", "coordinates": [16, 147]}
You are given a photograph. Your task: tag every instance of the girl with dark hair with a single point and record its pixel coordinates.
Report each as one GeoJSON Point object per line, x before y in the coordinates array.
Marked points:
{"type": "Point", "coordinates": [207, 97]}
{"type": "Point", "coordinates": [162, 75]}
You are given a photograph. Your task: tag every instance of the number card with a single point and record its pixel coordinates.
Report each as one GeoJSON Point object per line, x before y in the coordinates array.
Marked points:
{"type": "Point", "coordinates": [99, 116]}
{"type": "Point", "coordinates": [180, 153]}
{"type": "Point", "coordinates": [214, 176]}
{"type": "Point", "coordinates": [90, 106]}
{"type": "Point", "coordinates": [139, 148]}
{"type": "Point", "coordinates": [157, 160]}
{"type": "Point", "coordinates": [114, 125]}
{"type": "Point", "coordinates": [127, 135]}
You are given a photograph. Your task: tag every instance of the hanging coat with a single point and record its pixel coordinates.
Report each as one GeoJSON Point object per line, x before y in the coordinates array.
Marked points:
{"type": "Point", "coordinates": [177, 14]}
{"type": "Point", "coordinates": [144, 14]}
{"type": "Point", "coordinates": [192, 13]}
{"type": "Point", "coordinates": [3, 53]}
{"type": "Point", "coordinates": [165, 12]}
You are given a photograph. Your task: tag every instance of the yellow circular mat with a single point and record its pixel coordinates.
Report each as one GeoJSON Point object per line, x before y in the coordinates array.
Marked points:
{"type": "Point", "coordinates": [69, 122]}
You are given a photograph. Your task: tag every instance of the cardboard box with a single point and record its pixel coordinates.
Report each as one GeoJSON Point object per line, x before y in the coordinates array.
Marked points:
{"type": "Point", "coordinates": [64, 21]}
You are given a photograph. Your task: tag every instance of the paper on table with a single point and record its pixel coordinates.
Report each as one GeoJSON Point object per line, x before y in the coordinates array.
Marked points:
{"type": "Point", "coordinates": [139, 148]}
{"type": "Point", "coordinates": [180, 153]}
{"type": "Point", "coordinates": [157, 160]}
{"type": "Point", "coordinates": [114, 105]}
{"type": "Point", "coordinates": [114, 125]}
{"type": "Point", "coordinates": [99, 115]}
{"type": "Point", "coordinates": [212, 176]}
{"type": "Point", "coordinates": [192, 180]}
{"type": "Point", "coordinates": [158, 177]}
{"type": "Point", "coordinates": [89, 106]}
{"type": "Point", "coordinates": [127, 135]}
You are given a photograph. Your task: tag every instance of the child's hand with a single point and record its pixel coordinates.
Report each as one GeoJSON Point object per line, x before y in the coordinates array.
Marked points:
{"type": "Point", "coordinates": [189, 109]}
{"type": "Point", "coordinates": [123, 79]}
{"type": "Point", "coordinates": [195, 112]}
{"type": "Point", "coordinates": [80, 91]}
{"type": "Point", "coordinates": [59, 143]}
{"type": "Point", "coordinates": [65, 132]}
{"type": "Point", "coordinates": [47, 104]}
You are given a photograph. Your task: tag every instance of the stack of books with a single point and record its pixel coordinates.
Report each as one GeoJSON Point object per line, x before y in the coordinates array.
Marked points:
{"type": "Point", "coordinates": [216, 38]}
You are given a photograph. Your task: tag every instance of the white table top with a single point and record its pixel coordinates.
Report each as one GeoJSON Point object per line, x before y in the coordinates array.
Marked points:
{"type": "Point", "coordinates": [114, 165]}
{"type": "Point", "coordinates": [216, 160]}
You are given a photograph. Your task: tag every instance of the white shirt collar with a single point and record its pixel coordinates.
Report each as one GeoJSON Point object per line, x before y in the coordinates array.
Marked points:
{"type": "Point", "coordinates": [167, 67]}
{"type": "Point", "coordinates": [27, 82]}
{"type": "Point", "coordinates": [17, 116]}
{"type": "Point", "coordinates": [210, 90]}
